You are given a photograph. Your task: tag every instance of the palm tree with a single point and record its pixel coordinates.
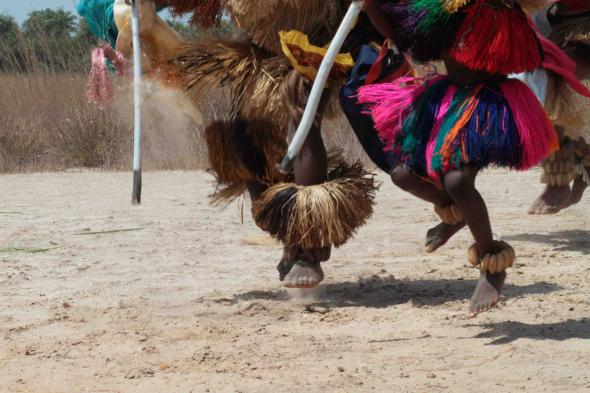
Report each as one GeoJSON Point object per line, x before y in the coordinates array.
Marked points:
{"type": "Point", "coordinates": [51, 23]}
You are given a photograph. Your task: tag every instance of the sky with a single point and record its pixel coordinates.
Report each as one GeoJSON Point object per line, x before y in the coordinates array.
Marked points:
{"type": "Point", "coordinates": [19, 9]}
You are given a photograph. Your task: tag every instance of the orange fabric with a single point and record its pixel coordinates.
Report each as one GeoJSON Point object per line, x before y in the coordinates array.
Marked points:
{"type": "Point", "coordinates": [459, 125]}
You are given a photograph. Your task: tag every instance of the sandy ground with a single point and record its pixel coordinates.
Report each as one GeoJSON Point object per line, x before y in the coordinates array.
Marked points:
{"type": "Point", "coordinates": [183, 302]}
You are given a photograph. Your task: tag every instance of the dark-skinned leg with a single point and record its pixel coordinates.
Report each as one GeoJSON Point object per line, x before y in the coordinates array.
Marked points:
{"type": "Point", "coordinates": [460, 184]}
{"type": "Point", "coordinates": [255, 190]}
{"type": "Point", "coordinates": [310, 167]}
{"type": "Point", "coordinates": [290, 254]}
{"type": "Point", "coordinates": [554, 197]}
{"type": "Point", "coordinates": [582, 151]}
{"type": "Point", "coordinates": [552, 200]}
{"type": "Point", "coordinates": [578, 189]}
{"type": "Point", "coordinates": [405, 179]}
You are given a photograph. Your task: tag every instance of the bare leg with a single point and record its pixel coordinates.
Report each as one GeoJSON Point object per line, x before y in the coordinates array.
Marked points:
{"type": "Point", "coordinates": [439, 235]}
{"type": "Point", "coordinates": [311, 164]}
{"type": "Point", "coordinates": [554, 197]}
{"type": "Point", "coordinates": [287, 261]}
{"type": "Point", "coordinates": [578, 189]}
{"type": "Point", "coordinates": [304, 267]}
{"type": "Point", "coordinates": [460, 185]}
{"type": "Point", "coordinates": [311, 167]}
{"type": "Point", "coordinates": [552, 200]}
{"type": "Point", "coordinates": [405, 179]}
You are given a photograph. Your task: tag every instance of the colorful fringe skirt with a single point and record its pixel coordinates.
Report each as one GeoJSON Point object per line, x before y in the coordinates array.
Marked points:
{"type": "Point", "coordinates": [434, 126]}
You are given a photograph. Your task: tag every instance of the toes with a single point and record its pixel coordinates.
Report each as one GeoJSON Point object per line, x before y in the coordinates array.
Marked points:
{"type": "Point", "coordinates": [474, 313]}
{"type": "Point", "coordinates": [432, 247]}
{"type": "Point", "coordinates": [549, 210]}
{"type": "Point", "coordinates": [432, 243]}
{"type": "Point", "coordinates": [545, 209]}
{"type": "Point", "coordinates": [542, 207]}
{"type": "Point", "coordinates": [301, 281]}
{"type": "Point", "coordinates": [478, 307]}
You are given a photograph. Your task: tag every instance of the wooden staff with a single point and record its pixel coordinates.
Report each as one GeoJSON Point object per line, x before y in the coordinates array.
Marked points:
{"type": "Point", "coordinates": [136, 196]}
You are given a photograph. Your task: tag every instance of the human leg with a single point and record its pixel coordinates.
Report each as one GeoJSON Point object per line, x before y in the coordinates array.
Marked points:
{"type": "Point", "coordinates": [582, 152]}
{"type": "Point", "coordinates": [460, 184]}
{"type": "Point", "coordinates": [558, 173]}
{"type": "Point", "coordinates": [310, 168]}
{"type": "Point", "coordinates": [437, 236]}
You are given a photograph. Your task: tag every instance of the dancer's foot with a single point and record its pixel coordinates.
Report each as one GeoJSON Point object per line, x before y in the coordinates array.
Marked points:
{"type": "Point", "coordinates": [578, 189]}
{"type": "Point", "coordinates": [487, 292]}
{"type": "Point", "coordinates": [551, 201]}
{"type": "Point", "coordinates": [287, 261]}
{"type": "Point", "coordinates": [439, 235]}
{"type": "Point", "coordinates": [284, 267]}
{"type": "Point", "coordinates": [304, 274]}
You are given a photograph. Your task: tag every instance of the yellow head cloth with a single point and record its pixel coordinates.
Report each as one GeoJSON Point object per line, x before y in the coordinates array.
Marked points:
{"type": "Point", "coordinates": [307, 58]}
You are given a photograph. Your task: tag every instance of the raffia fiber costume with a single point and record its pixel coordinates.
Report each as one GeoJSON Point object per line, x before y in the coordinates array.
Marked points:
{"type": "Point", "coordinates": [438, 124]}
{"type": "Point", "coordinates": [570, 29]}
{"type": "Point", "coordinates": [267, 72]}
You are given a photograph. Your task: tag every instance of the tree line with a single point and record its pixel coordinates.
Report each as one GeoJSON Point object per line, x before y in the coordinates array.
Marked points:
{"type": "Point", "coordinates": [55, 40]}
{"type": "Point", "coordinates": [48, 40]}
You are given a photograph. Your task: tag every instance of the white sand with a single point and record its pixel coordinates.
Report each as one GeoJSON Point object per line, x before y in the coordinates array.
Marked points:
{"type": "Point", "coordinates": [183, 305]}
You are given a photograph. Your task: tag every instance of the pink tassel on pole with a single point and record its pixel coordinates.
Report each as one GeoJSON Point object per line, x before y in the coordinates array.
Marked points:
{"type": "Point", "coordinates": [99, 85]}
{"type": "Point", "coordinates": [116, 58]}
{"type": "Point", "coordinates": [100, 89]}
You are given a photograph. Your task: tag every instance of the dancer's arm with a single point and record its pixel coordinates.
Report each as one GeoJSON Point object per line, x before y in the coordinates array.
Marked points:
{"type": "Point", "coordinates": [378, 19]}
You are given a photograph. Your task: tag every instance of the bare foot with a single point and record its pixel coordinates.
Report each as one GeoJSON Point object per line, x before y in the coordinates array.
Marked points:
{"type": "Point", "coordinates": [287, 261]}
{"type": "Point", "coordinates": [439, 235]}
{"type": "Point", "coordinates": [578, 189]}
{"type": "Point", "coordinates": [284, 267]}
{"type": "Point", "coordinates": [487, 292]}
{"type": "Point", "coordinates": [304, 274]}
{"type": "Point", "coordinates": [551, 201]}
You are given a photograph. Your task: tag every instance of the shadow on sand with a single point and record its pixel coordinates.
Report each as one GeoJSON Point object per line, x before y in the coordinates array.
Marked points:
{"type": "Point", "coordinates": [377, 292]}
{"type": "Point", "coordinates": [509, 331]}
{"type": "Point", "coordinates": [570, 240]}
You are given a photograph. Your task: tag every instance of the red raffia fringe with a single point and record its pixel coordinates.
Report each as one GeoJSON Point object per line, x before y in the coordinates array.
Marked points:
{"type": "Point", "coordinates": [538, 138]}
{"type": "Point", "coordinates": [497, 40]}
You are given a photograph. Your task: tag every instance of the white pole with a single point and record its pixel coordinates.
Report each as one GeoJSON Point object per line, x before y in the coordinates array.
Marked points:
{"type": "Point", "coordinates": [320, 83]}
{"type": "Point", "coordinates": [136, 197]}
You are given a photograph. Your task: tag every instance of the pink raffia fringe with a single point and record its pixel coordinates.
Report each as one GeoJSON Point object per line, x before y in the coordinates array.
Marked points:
{"type": "Point", "coordinates": [100, 89]}
{"type": "Point", "coordinates": [537, 135]}
{"type": "Point", "coordinates": [390, 103]}
{"type": "Point", "coordinates": [440, 117]}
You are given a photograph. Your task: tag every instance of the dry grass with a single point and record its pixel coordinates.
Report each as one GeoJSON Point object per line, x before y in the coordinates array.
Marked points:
{"type": "Point", "coordinates": [47, 124]}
